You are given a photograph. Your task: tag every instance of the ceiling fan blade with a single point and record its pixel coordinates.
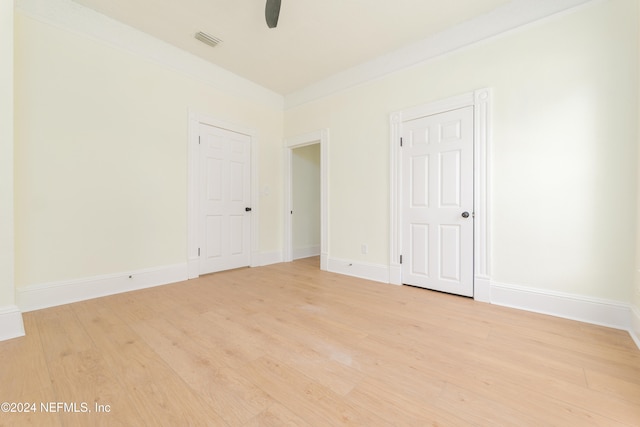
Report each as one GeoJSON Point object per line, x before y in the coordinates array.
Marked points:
{"type": "Point", "coordinates": [272, 12]}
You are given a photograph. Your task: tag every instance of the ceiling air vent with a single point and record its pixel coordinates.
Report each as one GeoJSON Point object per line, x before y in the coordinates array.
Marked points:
{"type": "Point", "coordinates": [206, 38]}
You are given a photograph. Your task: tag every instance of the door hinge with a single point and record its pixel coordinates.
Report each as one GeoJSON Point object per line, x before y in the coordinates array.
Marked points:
{"type": "Point", "coordinates": [198, 251]}
{"type": "Point", "coordinates": [198, 139]}
{"type": "Point", "coordinates": [400, 142]}
{"type": "Point", "coordinates": [400, 259]}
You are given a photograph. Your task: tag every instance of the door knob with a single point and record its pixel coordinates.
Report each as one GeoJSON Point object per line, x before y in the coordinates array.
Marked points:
{"type": "Point", "coordinates": [465, 214]}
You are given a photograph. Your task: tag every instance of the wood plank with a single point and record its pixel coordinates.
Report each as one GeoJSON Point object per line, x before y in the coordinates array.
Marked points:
{"type": "Point", "coordinates": [312, 402]}
{"type": "Point", "coordinates": [400, 411]}
{"type": "Point", "coordinates": [331, 369]}
{"type": "Point", "coordinates": [25, 379]}
{"type": "Point", "coordinates": [146, 377]}
{"type": "Point", "coordinates": [224, 389]}
{"type": "Point", "coordinates": [613, 386]}
{"type": "Point", "coordinates": [289, 344]}
{"type": "Point", "coordinates": [80, 374]}
{"type": "Point", "coordinates": [276, 415]}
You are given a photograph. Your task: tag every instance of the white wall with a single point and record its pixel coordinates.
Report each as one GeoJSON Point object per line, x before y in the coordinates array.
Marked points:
{"type": "Point", "coordinates": [6, 153]}
{"type": "Point", "coordinates": [101, 148]}
{"type": "Point", "coordinates": [10, 319]}
{"type": "Point", "coordinates": [635, 303]}
{"type": "Point", "coordinates": [306, 200]}
{"type": "Point", "coordinates": [563, 165]}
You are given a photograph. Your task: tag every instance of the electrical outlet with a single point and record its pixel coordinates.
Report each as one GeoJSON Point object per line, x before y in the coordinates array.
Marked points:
{"type": "Point", "coordinates": [364, 249]}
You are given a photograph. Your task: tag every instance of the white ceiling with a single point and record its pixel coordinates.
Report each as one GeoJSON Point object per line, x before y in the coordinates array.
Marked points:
{"type": "Point", "coordinates": [314, 38]}
{"type": "Point", "coordinates": [322, 44]}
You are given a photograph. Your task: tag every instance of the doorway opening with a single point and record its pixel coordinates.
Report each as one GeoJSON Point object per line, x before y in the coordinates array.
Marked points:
{"type": "Point", "coordinates": [306, 196]}
{"type": "Point", "coordinates": [305, 201]}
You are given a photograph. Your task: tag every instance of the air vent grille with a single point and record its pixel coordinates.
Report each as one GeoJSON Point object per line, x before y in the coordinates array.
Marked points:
{"type": "Point", "coordinates": [208, 39]}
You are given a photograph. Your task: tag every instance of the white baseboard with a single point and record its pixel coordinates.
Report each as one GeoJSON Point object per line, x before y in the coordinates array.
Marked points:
{"type": "Point", "coordinates": [602, 312]}
{"type": "Point", "coordinates": [258, 259]}
{"type": "Point", "coordinates": [310, 251]}
{"type": "Point", "coordinates": [395, 274]}
{"type": "Point", "coordinates": [11, 325]}
{"type": "Point", "coordinates": [482, 289]}
{"type": "Point", "coordinates": [634, 331]}
{"type": "Point", "coordinates": [375, 272]}
{"type": "Point", "coordinates": [268, 258]}
{"type": "Point", "coordinates": [324, 261]}
{"type": "Point", "coordinates": [35, 297]}
{"type": "Point", "coordinates": [193, 268]}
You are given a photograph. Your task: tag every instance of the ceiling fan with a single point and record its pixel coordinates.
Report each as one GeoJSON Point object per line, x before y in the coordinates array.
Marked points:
{"type": "Point", "coordinates": [272, 12]}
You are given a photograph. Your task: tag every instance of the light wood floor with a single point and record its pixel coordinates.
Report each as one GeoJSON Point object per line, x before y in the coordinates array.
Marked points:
{"type": "Point", "coordinates": [289, 345]}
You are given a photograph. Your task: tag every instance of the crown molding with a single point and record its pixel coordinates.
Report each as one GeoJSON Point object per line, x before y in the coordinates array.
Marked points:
{"type": "Point", "coordinates": [511, 16]}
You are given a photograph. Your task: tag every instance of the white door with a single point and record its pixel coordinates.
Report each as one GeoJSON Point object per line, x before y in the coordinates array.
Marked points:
{"type": "Point", "coordinates": [225, 196]}
{"type": "Point", "coordinates": [437, 202]}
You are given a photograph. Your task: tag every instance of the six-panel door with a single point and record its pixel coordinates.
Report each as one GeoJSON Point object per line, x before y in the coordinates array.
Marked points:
{"type": "Point", "coordinates": [225, 193]}
{"type": "Point", "coordinates": [437, 202]}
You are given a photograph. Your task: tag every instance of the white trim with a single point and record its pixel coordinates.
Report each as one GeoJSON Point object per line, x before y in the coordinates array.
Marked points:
{"type": "Point", "coordinates": [634, 330]}
{"type": "Point", "coordinates": [500, 21]}
{"type": "Point", "coordinates": [10, 318]}
{"type": "Point", "coordinates": [481, 289]}
{"type": "Point", "coordinates": [395, 180]}
{"type": "Point", "coordinates": [596, 311]}
{"type": "Point", "coordinates": [35, 297]}
{"type": "Point", "coordinates": [269, 258]}
{"type": "Point", "coordinates": [255, 198]}
{"type": "Point", "coordinates": [71, 16]}
{"type": "Point", "coordinates": [481, 101]}
{"type": "Point", "coordinates": [482, 184]}
{"type": "Point", "coordinates": [307, 252]}
{"type": "Point", "coordinates": [362, 270]}
{"type": "Point", "coordinates": [11, 325]}
{"type": "Point", "coordinates": [195, 119]}
{"type": "Point", "coordinates": [395, 274]}
{"type": "Point", "coordinates": [321, 137]}
{"type": "Point", "coordinates": [193, 205]}
{"type": "Point", "coordinates": [438, 106]}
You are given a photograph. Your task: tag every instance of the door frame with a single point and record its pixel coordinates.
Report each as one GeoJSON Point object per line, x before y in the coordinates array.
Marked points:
{"type": "Point", "coordinates": [481, 101]}
{"type": "Point", "coordinates": [321, 137]}
{"type": "Point", "coordinates": [193, 188]}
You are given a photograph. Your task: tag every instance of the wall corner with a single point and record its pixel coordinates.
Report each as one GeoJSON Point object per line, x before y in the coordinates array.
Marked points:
{"type": "Point", "coordinates": [11, 325]}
